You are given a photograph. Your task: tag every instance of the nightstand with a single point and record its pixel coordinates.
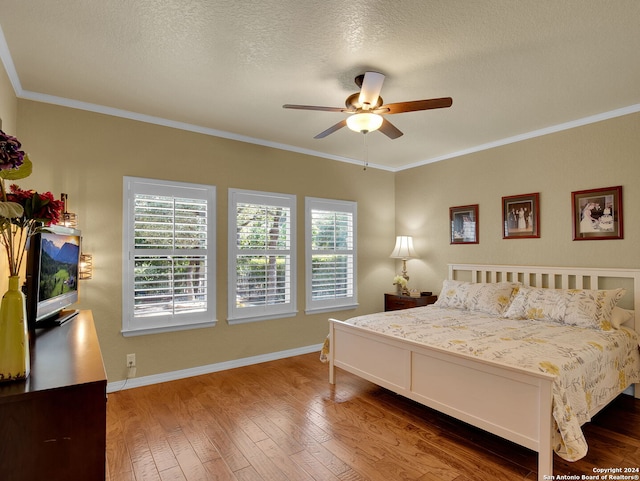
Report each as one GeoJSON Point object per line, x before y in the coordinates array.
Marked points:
{"type": "Point", "coordinates": [395, 302]}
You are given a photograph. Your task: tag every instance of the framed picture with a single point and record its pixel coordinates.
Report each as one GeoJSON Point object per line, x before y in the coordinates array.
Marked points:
{"type": "Point", "coordinates": [463, 221]}
{"type": "Point", "coordinates": [597, 213]}
{"type": "Point", "coordinates": [521, 216]}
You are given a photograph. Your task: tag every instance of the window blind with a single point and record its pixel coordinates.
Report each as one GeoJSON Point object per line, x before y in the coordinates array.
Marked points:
{"type": "Point", "coordinates": [169, 271]}
{"type": "Point", "coordinates": [332, 258]}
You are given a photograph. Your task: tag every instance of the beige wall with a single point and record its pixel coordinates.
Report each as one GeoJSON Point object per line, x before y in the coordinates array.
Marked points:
{"type": "Point", "coordinates": [8, 104]}
{"type": "Point", "coordinates": [598, 155]}
{"type": "Point", "coordinates": [86, 155]}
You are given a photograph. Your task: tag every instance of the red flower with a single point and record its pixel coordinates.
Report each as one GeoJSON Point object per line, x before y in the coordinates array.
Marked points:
{"type": "Point", "coordinates": [37, 207]}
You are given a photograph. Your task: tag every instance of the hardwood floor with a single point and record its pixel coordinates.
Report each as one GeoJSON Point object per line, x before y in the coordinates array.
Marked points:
{"type": "Point", "coordinates": [282, 420]}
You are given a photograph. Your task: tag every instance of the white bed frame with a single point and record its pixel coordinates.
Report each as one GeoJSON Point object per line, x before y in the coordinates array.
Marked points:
{"type": "Point", "coordinates": [481, 393]}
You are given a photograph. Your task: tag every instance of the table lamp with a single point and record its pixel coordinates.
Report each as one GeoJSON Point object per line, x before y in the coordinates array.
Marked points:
{"type": "Point", "coordinates": [404, 250]}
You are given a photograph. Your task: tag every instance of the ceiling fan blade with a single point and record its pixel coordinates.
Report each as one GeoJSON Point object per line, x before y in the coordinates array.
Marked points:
{"type": "Point", "coordinates": [371, 87]}
{"type": "Point", "coordinates": [390, 130]}
{"type": "Point", "coordinates": [331, 129]}
{"type": "Point", "coordinates": [415, 105]}
{"type": "Point", "coordinates": [315, 107]}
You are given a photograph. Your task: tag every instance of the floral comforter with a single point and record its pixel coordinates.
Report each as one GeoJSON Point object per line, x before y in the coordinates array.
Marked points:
{"type": "Point", "coordinates": [590, 366]}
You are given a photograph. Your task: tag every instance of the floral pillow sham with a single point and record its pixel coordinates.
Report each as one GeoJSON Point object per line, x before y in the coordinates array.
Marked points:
{"type": "Point", "coordinates": [490, 298]}
{"type": "Point", "coordinates": [577, 307]}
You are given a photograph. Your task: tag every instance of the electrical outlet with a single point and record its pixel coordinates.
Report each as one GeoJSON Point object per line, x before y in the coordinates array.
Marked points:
{"type": "Point", "coordinates": [131, 360]}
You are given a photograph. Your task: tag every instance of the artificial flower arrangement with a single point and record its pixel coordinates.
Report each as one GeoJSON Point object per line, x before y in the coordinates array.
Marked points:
{"type": "Point", "coordinates": [402, 283]}
{"type": "Point", "coordinates": [22, 212]}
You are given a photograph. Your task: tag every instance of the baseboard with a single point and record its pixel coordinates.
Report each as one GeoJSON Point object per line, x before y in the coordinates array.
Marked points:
{"type": "Point", "coordinates": [197, 371]}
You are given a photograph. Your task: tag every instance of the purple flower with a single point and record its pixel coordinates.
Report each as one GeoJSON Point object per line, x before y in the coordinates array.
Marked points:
{"type": "Point", "coordinates": [10, 154]}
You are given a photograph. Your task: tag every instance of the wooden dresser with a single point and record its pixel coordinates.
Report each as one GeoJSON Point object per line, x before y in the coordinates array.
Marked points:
{"type": "Point", "coordinates": [53, 425]}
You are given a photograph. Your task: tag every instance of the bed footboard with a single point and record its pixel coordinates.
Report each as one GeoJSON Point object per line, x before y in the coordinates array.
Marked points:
{"type": "Point", "coordinates": [478, 392]}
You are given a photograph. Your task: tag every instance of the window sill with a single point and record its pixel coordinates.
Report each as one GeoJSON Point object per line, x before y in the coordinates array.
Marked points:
{"type": "Point", "coordinates": [266, 317]}
{"type": "Point", "coordinates": [158, 330]}
{"type": "Point", "coordinates": [320, 310]}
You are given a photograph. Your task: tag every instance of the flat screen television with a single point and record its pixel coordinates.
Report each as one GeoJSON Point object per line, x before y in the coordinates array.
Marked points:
{"type": "Point", "coordinates": [53, 260]}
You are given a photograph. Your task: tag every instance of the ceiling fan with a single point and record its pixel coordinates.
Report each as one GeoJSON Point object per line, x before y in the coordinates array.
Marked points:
{"type": "Point", "coordinates": [366, 108]}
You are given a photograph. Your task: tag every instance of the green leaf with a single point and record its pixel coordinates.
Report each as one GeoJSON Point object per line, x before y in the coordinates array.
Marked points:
{"type": "Point", "coordinates": [21, 172]}
{"type": "Point", "coordinates": [10, 210]}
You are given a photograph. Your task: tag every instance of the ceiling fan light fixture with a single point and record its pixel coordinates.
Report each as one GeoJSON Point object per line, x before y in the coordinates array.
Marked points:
{"type": "Point", "coordinates": [364, 122]}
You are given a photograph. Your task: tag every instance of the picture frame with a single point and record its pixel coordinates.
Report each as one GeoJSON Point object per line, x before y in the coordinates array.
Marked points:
{"type": "Point", "coordinates": [521, 216]}
{"type": "Point", "coordinates": [464, 224]}
{"type": "Point", "coordinates": [597, 213]}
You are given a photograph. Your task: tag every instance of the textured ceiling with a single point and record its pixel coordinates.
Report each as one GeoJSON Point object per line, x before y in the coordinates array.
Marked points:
{"type": "Point", "coordinates": [514, 69]}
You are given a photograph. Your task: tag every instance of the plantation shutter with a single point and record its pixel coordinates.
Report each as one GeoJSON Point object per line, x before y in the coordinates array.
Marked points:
{"type": "Point", "coordinates": [262, 251]}
{"type": "Point", "coordinates": [331, 254]}
{"type": "Point", "coordinates": [169, 270]}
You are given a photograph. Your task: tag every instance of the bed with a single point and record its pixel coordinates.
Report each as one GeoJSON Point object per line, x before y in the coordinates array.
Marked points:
{"type": "Point", "coordinates": [482, 383]}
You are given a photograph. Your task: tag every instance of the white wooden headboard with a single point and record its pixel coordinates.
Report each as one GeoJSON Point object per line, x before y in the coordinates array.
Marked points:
{"type": "Point", "coordinates": [558, 278]}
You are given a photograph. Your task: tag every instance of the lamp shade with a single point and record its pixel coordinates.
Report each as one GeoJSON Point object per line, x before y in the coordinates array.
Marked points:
{"type": "Point", "coordinates": [404, 248]}
{"type": "Point", "coordinates": [364, 122]}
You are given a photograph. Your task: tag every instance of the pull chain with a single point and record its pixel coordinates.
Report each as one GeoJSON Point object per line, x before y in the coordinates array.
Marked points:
{"type": "Point", "coordinates": [366, 151]}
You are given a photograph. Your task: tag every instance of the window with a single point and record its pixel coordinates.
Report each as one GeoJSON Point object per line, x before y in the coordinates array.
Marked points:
{"type": "Point", "coordinates": [330, 254]}
{"type": "Point", "coordinates": [168, 256]}
{"type": "Point", "coordinates": [262, 263]}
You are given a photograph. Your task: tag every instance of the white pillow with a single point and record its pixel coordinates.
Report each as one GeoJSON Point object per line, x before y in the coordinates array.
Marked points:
{"type": "Point", "coordinates": [490, 298]}
{"type": "Point", "coordinates": [620, 316]}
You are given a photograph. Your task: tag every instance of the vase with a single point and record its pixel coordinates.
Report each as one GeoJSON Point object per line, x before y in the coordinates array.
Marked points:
{"type": "Point", "coordinates": [15, 362]}
{"type": "Point", "coordinates": [398, 289]}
